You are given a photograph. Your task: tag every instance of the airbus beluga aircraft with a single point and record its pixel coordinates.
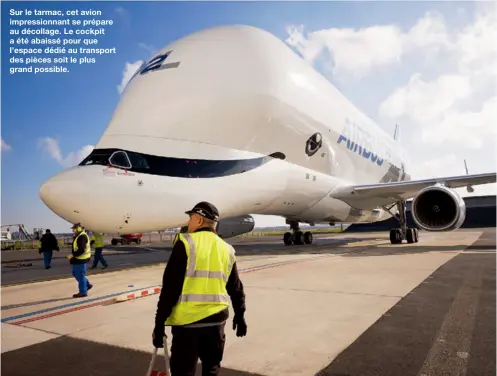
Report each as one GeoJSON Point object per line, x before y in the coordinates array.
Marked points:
{"type": "Point", "coordinates": [231, 115]}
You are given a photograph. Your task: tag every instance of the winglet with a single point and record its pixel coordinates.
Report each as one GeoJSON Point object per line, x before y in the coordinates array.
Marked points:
{"type": "Point", "coordinates": [395, 133]}
{"type": "Point", "coordinates": [469, 188]}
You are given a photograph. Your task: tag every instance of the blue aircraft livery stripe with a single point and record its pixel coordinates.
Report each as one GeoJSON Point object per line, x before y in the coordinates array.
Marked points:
{"type": "Point", "coordinates": [362, 151]}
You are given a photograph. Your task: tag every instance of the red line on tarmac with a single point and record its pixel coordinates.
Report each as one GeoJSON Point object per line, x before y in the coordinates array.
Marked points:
{"type": "Point", "coordinates": [62, 312]}
{"type": "Point", "coordinates": [156, 290]}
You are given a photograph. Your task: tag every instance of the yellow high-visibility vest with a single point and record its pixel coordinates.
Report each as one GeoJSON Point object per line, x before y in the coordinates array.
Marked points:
{"type": "Point", "coordinates": [209, 263]}
{"type": "Point", "coordinates": [99, 240]}
{"type": "Point", "coordinates": [87, 252]}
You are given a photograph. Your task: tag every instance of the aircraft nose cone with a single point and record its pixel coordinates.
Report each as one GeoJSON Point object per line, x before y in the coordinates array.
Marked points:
{"type": "Point", "coordinates": [46, 192]}
{"type": "Point", "coordinates": [60, 194]}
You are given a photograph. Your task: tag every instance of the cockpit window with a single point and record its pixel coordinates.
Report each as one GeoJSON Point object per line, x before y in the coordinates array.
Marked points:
{"type": "Point", "coordinates": [120, 159]}
{"type": "Point", "coordinates": [96, 158]}
{"type": "Point", "coordinates": [137, 161]}
{"type": "Point", "coordinates": [175, 167]}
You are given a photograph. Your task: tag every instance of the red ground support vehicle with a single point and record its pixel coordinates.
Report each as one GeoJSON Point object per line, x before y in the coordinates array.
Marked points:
{"type": "Point", "coordinates": [127, 239]}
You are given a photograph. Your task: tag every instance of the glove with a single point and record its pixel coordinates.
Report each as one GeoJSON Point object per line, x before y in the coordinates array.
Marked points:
{"type": "Point", "coordinates": [69, 256]}
{"type": "Point", "coordinates": [240, 326]}
{"type": "Point", "coordinates": [158, 337]}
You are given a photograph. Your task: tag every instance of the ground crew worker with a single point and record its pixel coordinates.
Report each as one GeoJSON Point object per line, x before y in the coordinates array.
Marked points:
{"type": "Point", "coordinates": [199, 276]}
{"type": "Point", "coordinates": [80, 256]}
{"type": "Point", "coordinates": [48, 243]}
{"type": "Point", "coordinates": [97, 240]}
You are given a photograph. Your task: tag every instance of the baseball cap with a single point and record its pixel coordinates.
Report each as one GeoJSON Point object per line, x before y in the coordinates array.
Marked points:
{"type": "Point", "coordinates": [205, 209]}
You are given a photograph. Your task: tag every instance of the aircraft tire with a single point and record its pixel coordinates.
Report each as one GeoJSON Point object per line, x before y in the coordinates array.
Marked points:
{"type": "Point", "coordinates": [416, 235]}
{"type": "Point", "coordinates": [395, 237]}
{"type": "Point", "coordinates": [410, 236]}
{"type": "Point", "coordinates": [308, 237]}
{"type": "Point", "coordinates": [298, 238]}
{"type": "Point", "coordinates": [287, 238]}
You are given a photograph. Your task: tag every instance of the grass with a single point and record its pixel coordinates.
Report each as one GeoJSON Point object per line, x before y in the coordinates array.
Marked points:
{"type": "Point", "coordinates": [331, 230]}
{"type": "Point", "coordinates": [66, 242]}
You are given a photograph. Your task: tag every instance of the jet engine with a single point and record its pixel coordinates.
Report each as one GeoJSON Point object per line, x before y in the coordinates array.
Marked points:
{"type": "Point", "coordinates": [229, 227]}
{"type": "Point", "coordinates": [438, 208]}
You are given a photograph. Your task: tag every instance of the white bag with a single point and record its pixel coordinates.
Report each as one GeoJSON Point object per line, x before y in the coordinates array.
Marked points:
{"type": "Point", "coordinates": [151, 371]}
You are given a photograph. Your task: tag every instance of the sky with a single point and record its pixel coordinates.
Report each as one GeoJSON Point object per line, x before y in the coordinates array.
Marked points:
{"type": "Point", "coordinates": [428, 66]}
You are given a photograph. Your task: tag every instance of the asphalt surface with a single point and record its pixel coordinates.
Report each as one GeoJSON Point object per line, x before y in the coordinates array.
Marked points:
{"type": "Point", "coordinates": [445, 326]}
{"type": "Point", "coordinates": [125, 257]}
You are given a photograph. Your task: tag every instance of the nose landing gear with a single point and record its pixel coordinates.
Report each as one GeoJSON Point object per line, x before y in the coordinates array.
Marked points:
{"type": "Point", "coordinates": [298, 237]}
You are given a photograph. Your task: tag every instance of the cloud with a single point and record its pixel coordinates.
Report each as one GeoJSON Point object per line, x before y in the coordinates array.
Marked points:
{"type": "Point", "coordinates": [51, 146]}
{"type": "Point", "coordinates": [128, 72]}
{"type": "Point", "coordinates": [457, 106]}
{"type": "Point", "coordinates": [148, 47]}
{"type": "Point", "coordinates": [5, 146]}
{"type": "Point", "coordinates": [423, 101]}
{"type": "Point", "coordinates": [446, 104]}
{"type": "Point", "coordinates": [357, 52]}
{"type": "Point", "coordinates": [124, 15]}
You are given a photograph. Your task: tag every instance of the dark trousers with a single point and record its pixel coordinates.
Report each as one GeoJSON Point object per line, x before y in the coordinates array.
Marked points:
{"type": "Point", "coordinates": [47, 258]}
{"type": "Point", "coordinates": [190, 344]}
{"type": "Point", "coordinates": [99, 257]}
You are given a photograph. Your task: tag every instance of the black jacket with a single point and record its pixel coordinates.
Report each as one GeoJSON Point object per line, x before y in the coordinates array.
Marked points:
{"type": "Point", "coordinates": [49, 243]}
{"type": "Point", "coordinates": [81, 246]}
{"type": "Point", "coordinates": [172, 286]}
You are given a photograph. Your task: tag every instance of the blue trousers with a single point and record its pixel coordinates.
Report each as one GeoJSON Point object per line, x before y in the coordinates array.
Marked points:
{"type": "Point", "coordinates": [79, 272]}
{"type": "Point", "coordinates": [47, 258]}
{"type": "Point", "coordinates": [99, 257]}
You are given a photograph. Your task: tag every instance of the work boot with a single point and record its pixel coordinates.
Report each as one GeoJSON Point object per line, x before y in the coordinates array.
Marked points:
{"type": "Point", "coordinates": [79, 295]}
{"type": "Point", "coordinates": [89, 287]}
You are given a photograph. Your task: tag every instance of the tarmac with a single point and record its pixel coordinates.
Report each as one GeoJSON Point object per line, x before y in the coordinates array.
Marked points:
{"type": "Point", "coordinates": [348, 305]}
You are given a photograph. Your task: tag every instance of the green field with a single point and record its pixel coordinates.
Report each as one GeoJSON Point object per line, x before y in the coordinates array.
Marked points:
{"type": "Point", "coordinates": [66, 242]}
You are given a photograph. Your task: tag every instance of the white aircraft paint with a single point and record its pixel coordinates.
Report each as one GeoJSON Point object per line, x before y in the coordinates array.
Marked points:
{"type": "Point", "coordinates": [227, 94]}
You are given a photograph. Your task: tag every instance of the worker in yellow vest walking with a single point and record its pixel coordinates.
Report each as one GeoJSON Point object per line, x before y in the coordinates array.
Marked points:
{"type": "Point", "coordinates": [200, 277]}
{"type": "Point", "coordinates": [97, 241]}
{"type": "Point", "coordinates": [79, 257]}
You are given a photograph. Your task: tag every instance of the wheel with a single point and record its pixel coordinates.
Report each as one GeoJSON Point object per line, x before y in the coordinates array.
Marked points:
{"type": "Point", "coordinates": [123, 241]}
{"type": "Point", "coordinates": [113, 242]}
{"type": "Point", "coordinates": [298, 237]}
{"type": "Point", "coordinates": [416, 235]}
{"type": "Point", "coordinates": [410, 235]}
{"type": "Point", "coordinates": [287, 238]}
{"type": "Point", "coordinates": [395, 237]}
{"type": "Point", "coordinates": [308, 237]}
{"type": "Point", "coordinates": [138, 241]}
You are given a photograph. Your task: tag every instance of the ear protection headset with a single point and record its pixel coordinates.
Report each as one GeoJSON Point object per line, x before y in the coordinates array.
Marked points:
{"type": "Point", "coordinates": [79, 228]}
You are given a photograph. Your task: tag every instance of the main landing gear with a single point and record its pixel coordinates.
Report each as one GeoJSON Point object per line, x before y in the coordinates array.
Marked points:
{"type": "Point", "coordinates": [397, 235]}
{"type": "Point", "coordinates": [297, 237]}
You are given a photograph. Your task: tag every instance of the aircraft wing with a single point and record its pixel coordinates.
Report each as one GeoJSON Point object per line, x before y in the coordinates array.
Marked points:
{"type": "Point", "coordinates": [389, 193]}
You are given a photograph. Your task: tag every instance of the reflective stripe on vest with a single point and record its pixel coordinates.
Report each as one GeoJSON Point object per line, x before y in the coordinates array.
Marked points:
{"type": "Point", "coordinates": [99, 240]}
{"type": "Point", "coordinates": [87, 253]}
{"type": "Point", "coordinates": [209, 263]}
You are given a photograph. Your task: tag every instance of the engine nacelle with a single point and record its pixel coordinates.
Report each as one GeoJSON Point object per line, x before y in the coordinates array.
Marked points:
{"type": "Point", "coordinates": [229, 227]}
{"type": "Point", "coordinates": [438, 208]}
